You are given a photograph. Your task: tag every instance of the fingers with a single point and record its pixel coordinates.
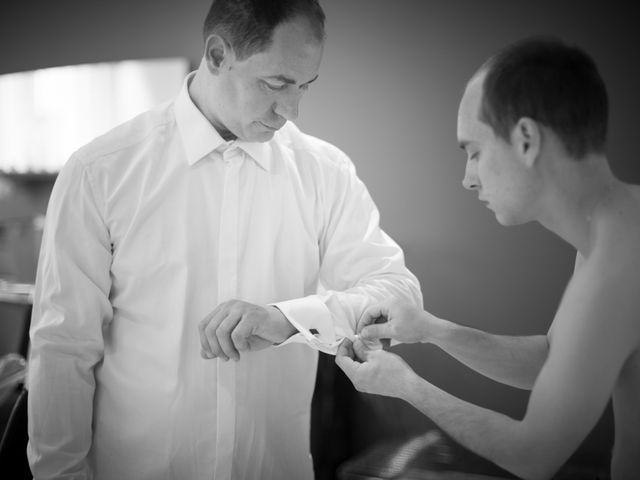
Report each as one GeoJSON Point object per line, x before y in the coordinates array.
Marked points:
{"type": "Point", "coordinates": [240, 335]}
{"type": "Point", "coordinates": [207, 328]}
{"type": "Point", "coordinates": [361, 350]}
{"type": "Point", "coordinates": [227, 349]}
{"type": "Point", "coordinates": [216, 331]}
{"type": "Point", "coordinates": [233, 327]}
{"type": "Point", "coordinates": [215, 336]}
{"type": "Point", "coordinates": [345, 349]}
{"type": "Point", "coordinates": [345, 359]}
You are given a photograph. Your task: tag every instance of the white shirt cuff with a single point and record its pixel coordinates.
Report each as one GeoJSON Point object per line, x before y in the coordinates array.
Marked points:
{"type": "Point", "coordinates": [313, 320]}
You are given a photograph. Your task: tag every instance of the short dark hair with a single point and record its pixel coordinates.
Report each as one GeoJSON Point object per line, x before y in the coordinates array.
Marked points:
{"type": "Point", "coordinates": [553, 83]}
{"type": "Point", "coordinates": [247, 25]}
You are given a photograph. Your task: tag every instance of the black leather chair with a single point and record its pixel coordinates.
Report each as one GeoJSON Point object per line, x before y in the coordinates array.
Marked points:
{"type": "Point", "coordinates": [13, 418]}
{"type": "Point", "coordinates": [13, 444]}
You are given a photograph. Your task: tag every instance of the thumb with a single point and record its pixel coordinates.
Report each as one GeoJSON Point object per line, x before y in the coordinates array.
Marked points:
{"type": "Point", "coordinates": [257, 343]}
{"type": "Point", "coordinates": [344, 359]}
{"type": "Point", "coordinates": [345, 349]}
{"type": "Point", "coordinates": [376, 313]}
{"type": "Point", "coordinates": [376, 331]}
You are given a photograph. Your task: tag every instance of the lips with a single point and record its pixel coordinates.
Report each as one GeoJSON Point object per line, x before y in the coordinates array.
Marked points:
{"type": "Point", "coordinates": [274, 128]}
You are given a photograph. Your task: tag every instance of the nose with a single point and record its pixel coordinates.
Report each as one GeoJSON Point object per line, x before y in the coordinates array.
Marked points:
{"type": "Point", "coordinates": [287, 105]}
{"type": "Point", "coordinates": [470, 180]}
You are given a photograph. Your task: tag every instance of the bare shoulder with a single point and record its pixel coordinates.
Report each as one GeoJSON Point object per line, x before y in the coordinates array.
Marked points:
{"type": "Point", "coordinates": [603, 296]}
{"type": "Point", "coordinates": [595, 343]}
{"type": "Point", "coordinates": [607, 283]}
{"type": "Point", "coordinates": [615, 228]}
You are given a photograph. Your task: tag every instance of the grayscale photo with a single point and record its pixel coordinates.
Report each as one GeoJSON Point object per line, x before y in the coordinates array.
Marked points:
{"type": "Point", "coordinates": [319, 240]}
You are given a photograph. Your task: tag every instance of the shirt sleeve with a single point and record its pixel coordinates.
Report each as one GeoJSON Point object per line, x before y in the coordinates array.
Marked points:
{"type": "Point", "coordinates": [360, 265]}
{"type": "Point", "coordinates": [71, 307]}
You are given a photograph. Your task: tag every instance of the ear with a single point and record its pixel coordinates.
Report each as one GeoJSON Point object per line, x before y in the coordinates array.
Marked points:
{"type": "Point", "coordinates": [526, 137]}
{"type": "Point", "coordinates": [217, 53]}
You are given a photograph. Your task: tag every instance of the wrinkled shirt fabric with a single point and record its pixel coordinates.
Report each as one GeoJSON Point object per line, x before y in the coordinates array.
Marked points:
{"type": "Point", "coordinates": [148, 229]}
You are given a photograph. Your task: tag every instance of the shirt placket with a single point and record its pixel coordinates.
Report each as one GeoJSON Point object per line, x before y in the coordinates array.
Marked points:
{"type": "Point", "coordinates": [227, 290]}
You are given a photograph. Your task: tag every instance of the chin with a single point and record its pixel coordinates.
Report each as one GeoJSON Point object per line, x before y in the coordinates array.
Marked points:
{"type": "Point", "coordinates": [509, 220]}
{"type": "Point", "coordinates": [260, 136]}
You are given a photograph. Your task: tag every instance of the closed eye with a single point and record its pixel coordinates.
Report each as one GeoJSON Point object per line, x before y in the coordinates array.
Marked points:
{"type": "Point", "coordinates": [274, 87]}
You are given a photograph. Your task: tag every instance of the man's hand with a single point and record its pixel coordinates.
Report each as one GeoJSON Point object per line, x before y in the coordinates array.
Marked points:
{"type": "Point", "coordinates": [374, 371]}
{"type": "Point", "coordinates": [396, 320]}
{"type": "Point", "coordinates": [237, 326]}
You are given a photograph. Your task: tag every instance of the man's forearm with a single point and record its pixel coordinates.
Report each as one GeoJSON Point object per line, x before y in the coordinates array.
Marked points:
{"type": "Point", "coordinates": [489, 434]}
{"type": "Point", "coordinates": [514, 361]}
{"type": "Point", "coordinates": [60, 416]}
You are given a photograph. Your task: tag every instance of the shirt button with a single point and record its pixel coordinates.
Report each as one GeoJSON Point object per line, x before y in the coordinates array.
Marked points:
{"type": "Point", "coordinates": [232, 155]}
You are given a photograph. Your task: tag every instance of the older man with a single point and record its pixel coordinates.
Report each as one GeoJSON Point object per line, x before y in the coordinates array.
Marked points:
{"type": "Point", "coordinates": [205, 230]}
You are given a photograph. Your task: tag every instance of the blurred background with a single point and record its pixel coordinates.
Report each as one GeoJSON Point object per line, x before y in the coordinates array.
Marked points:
{"type": "Point", "coordinates": [388, 92]}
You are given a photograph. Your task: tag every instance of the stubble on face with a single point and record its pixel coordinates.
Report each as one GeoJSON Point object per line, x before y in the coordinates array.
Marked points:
{"type": "Point", "coordinates": [252, 109]}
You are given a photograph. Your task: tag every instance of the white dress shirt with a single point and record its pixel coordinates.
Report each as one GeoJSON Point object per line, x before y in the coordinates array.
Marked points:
{"type": "Point", "coordinates": [148, 229]}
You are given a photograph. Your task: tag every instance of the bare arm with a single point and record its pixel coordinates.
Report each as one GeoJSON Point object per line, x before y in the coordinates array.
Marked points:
{"type": "Point", "coordinates": [514, 361]}
{"type": "Point", "coordinates": [595, 331]}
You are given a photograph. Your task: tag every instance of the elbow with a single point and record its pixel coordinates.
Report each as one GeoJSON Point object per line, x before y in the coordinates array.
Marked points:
{"type": "Point", "coordinates": [533, 469]}
{"type": "Point", "coordinates": [537, 476]}
{"type": "Point", "coordinates": [534, 452]}
{"type": "Point", "coordinates": [539, 460]}
{"type": "Point", "coordinates": [415, 295]}
{"type": "Point", "coordinates": [408, 288]}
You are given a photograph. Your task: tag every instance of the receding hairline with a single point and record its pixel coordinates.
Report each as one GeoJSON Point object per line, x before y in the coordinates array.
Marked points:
{"type": "Point", "coordinates": [317, 26]}
{"type": "Point", "coordinates": [476, 81]}
{"type": "Point", "coordinates": [513, 85]}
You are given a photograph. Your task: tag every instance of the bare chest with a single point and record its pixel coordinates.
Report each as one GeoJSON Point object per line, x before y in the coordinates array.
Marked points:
{"type": "Point", "coordinates": [626, 408]}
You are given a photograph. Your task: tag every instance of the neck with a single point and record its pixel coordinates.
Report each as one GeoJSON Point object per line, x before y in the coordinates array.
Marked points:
{"type": "Point", "coordinates": [199, 91]}
{"type": "Point", "coordinates": [579, 189]}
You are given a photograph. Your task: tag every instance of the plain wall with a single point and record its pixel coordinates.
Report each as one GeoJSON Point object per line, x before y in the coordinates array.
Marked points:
{"type": "Point", "coordinates": [387, 94]}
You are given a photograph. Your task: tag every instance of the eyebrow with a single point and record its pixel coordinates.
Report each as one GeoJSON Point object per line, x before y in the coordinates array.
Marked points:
{"type": "Point", "coordinates": [290, 81]}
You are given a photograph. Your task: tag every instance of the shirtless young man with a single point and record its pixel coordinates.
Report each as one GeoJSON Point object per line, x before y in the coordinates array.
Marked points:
{"type": "Point", "coordinates": [533, 124]}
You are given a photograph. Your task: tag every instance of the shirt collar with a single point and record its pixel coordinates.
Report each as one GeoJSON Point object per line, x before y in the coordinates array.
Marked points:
{"type": "Point", "coordinates": [200, 138]}
{"type": "Point", "coordinates": [259, 151]}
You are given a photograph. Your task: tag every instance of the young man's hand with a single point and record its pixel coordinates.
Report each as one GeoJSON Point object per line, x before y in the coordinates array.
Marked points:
{"type": "Point", "coordinates": [374, 371]}
{"type": "Point", "coordinates": [399, 321]}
